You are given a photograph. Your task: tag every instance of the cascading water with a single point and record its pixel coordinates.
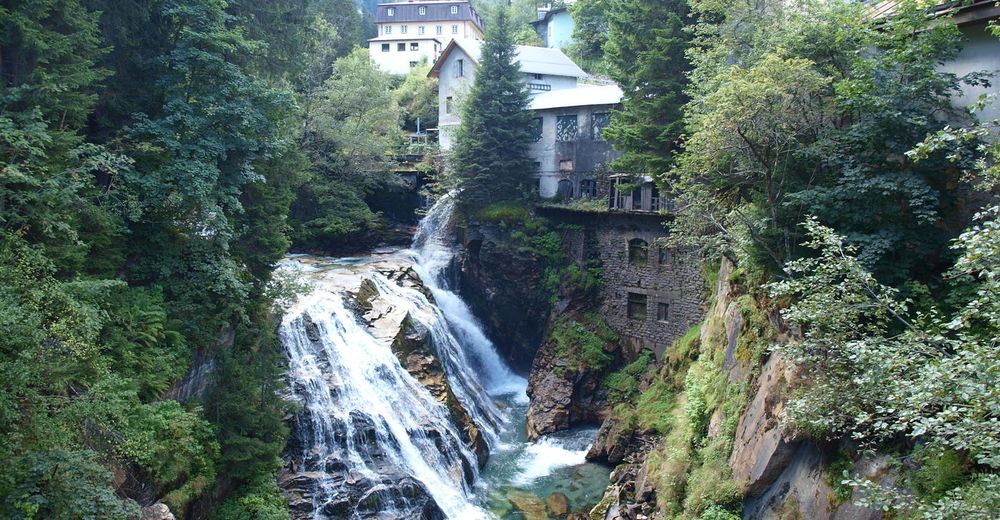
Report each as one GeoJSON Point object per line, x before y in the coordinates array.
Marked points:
{"type": "Point", "coordinates": [370, 439]}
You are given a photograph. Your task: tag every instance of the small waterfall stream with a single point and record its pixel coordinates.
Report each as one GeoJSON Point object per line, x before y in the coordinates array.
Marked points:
{"type": "Point", "coordinates": [370, 438]}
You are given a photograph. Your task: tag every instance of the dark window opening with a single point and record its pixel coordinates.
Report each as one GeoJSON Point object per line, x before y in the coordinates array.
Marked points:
{"type": "Point", "coordinates": [565, 189]}
{"type": "Point", "coordinates": [654, 199]}
{"type": "Point", "coordinates": [637, 198]}
{"type": "Point", "coordinates": [413, 64]}
{"type": "Point", "coordinates": [536, 129]}
{"type": "Point", "coordinates": [664, 255]}
{"type": "Point", "coordinates": [588, 188]}
{"type": "Point", "coordinates": [638, 252]}
{"type": "Point", "coordinates": [385, 47]}
{"type": "Point", "coordinates": [401, 47]}
{"type": "Point", "coordinates": [537, 76]}
{"type": "Point", "coordinates": [459, 68]}
{"type": "Point", "coordinates": [662, 311]}
{"type": "Point", "coordinates": [414, 46]}
{"type": "Point", "coordinates": [447, 105]}
{"type": "Point", "coordinates": [636, 306]}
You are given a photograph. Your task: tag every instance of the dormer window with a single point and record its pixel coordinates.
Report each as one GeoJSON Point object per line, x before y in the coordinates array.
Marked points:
{"type": "Point", "coordinates": [454, 9]}
{"type": "Point", "coordinates": [422, 10]}
{"type": "Point", "coordinates": [391, 11]}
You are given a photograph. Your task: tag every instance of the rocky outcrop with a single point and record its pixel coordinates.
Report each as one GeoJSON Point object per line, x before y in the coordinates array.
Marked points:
{"type": "Point", "coordinates": [412, 347]}
{"type": "Point", "coordinates": [157, 511]}
{"type": "Point", "coordinates": [563, 394]}
{"type": "Point", "coordinates": [501, 285]}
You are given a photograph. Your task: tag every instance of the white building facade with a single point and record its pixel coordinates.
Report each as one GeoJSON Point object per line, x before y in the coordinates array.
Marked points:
{"type": "Point", "coordinates": [569, 150]}
{"type": "Point", "coordinates": [409, 32]}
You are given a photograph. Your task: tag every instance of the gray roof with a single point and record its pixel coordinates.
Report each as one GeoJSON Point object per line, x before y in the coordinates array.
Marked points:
{"type": "Point", "coordinates": [585, 95]}
{"type": "Point", "coordinates": [437, 11]}
{"type": "Point", "coordinates": [533, 60]}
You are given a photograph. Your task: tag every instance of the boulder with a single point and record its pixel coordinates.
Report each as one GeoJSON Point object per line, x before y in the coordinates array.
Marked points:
{"type": "Point", "coordinates": [157, 511]}
{"type": "Point", "coordinates": [530, 505]}
{"type": "Point", "coordinates": [557, 504]}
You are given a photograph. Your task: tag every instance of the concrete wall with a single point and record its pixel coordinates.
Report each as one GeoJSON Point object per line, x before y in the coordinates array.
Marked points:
{"type": "Point", "coordinates": [455, 87]}
{"type": "Point", "coordinates": [676, 281]}
{"type": "Point", "coordinates": [587, 153]}
{"type": "Point", "coordinates": [980, 52]}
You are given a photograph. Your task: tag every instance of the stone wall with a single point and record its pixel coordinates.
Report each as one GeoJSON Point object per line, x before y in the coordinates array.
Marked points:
{"type": "Point", "coordinates": [670, 276]}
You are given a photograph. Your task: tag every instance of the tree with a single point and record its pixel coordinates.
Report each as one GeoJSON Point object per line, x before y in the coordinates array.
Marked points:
{"type": "Point", "coordinates": [645, 54]}
{"type": "Point", "coordinates": [590, 32]}
{"type": "Point", "coordinates": [490, 156]}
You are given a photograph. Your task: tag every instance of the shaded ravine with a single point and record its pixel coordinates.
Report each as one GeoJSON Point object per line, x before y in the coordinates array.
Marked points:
{"type": "Point", "coordinates": [370, 439]}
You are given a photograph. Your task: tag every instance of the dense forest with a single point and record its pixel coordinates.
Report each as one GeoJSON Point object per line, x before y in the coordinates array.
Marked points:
{"type": "Point", "coordinates": [158, 157]}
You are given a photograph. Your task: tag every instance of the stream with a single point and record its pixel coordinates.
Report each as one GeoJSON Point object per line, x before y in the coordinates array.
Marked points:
{"type": "Point", "coordinates": [371, 441]}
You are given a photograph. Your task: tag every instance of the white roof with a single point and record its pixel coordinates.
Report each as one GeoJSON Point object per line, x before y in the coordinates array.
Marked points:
{"type": "Point", "coordinates": [583, 95]}
{"type": "Point", "coordinates": [533, 60]}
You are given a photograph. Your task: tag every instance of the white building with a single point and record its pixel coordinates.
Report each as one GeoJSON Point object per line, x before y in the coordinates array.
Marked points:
{"type": "Point", "coordinates": [409, 32]}
{"type": "Point", "coordinates": [569, 117]}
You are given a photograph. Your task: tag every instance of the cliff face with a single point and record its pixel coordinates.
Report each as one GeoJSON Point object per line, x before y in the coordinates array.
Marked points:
{"type": "Point", "coordinates": [501, 285]}
{"type": "Point", "coordinates": [708, 436]}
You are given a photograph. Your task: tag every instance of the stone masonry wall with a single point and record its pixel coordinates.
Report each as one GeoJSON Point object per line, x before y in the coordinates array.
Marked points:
{"type": "Point", "coordinates": [669, 276]}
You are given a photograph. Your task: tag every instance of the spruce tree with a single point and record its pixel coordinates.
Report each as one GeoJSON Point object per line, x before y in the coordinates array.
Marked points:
{"type": "Point", "coordinates": [490, 157]}
{"type": "Point", "coordinates": [645, 54]}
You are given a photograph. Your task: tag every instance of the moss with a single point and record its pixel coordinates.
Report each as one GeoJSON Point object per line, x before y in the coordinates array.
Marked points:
{"type": "Point", "coordinates": [505, 211]}
{"type": "Point", "coordinates": [836, 472]}
{"type": "Point", "coordinates": [940, 471]}
{"type": "Point", "coordinates": [585, 343]}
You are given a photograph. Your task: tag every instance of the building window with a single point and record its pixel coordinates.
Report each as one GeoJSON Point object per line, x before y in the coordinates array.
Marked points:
{"type": "Point", "coordinates": [420, 29]}
{"type": "Point", "coordinates": [438, 30]}
{"type": "Point", "coordinates": [414, 46]}
{"type": "Point", "coordinates": [413, 64]}
{"type": "Point", "coordinates": [390, 11]}
{"type": "Point", "coordinates": [401, 47]}
{"type": "Point", "coordinates": [638, 252]}
{"type": "Point", "coordinates": [422, 10]}
{"type": "Point", "coordinates": [387, 29]}
{"type": "Point", "coordinates": [385, 47]}
{"type": "Point", "coordinates": [598, 122]}
{"type": "Point", "coordinates": [447, 105]}
{"type": "Point", "coordinates": [664, 256]}
{"type": "Point", "coordinates": [539, 86]}
{"type": "Point", "coordinates": [454, 9]}
{"type": "Point", "coordinates": [662, 311]}
{"type": "Point", "coordinates": [402, 29]}
{"type": "Point", "coordinates": [537, 76]}
{"type": "Point", "coordinates": [637, 199]}
{"type": "Point", "coordinates": [588, 188]}
{"type": "Point", "coordinates": [636, 306]}
{"type": "Point", "coordinates": [654, 199]}
{"type": "Point", "coordinates": [454, 29]}
{"type": "Point", "coordinates": [536, 129]}
{"type": "Point", "coordinates": [566, 128]}
{"type": "Point", "coordinates": [566, 166]}
{"type": "Point", "coordinates": [459, 68]}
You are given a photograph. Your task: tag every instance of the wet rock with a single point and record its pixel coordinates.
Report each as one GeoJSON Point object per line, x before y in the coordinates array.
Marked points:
{"type": "Point", "coordinates": [557, 504]}
{"type": "Point", "coordinates": [613, 442]}
{"type": "Point", "coordinates": [530, 505]}
{"type": "Point", "coordinates": [157, 511]}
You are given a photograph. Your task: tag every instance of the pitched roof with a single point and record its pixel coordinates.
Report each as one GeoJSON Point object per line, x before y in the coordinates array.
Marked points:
{"type": "Point", "coordinates": [548, 14]}
{"type": "Point", "coordinates": [962, 13]}
{"type": "Point", "coordinates": [533, 60]}
{"type": "Point", "coordinates": [584, 95]}
{"type": "Point", "coordinates": [436, 11]}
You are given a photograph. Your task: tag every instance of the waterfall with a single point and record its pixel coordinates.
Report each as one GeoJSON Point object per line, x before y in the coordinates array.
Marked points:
{"type": "Point", "coordinates": [372, 440]}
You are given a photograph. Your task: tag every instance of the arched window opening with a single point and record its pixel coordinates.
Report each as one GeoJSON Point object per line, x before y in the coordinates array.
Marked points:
{"type": "Point", "coordinates": [638, 252]}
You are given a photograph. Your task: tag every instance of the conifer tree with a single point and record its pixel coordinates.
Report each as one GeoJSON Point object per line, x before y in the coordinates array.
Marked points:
{"type": "Point", "coordinates": [645, 55]}
{"type": "Point", "coordinates": [490, 157]}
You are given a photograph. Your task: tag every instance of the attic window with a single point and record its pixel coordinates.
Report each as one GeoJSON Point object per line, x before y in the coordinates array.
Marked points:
{"type": "Point", "coordinates": [636, 306]}
{"type": "Point", "coordinates": [422, 10]}
{"type": "Point", "coordinates": [459, 68]}
{"type": "Point", "coordinates": [454, 9]}
{"type": "Point", "coordinates": [390, 11]}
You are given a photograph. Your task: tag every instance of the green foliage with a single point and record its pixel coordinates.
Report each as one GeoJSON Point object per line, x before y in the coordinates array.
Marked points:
{"type": "Point", "coordinates": [417, 96]}
{"type": "Point", "coordinates": [644, 54]}
{"type": "Point", "coordinates": [590, 33]}
{"type": "Point", "coordinates": [941, 470]}
{"type": "Point", "coordinates": [583, 343]}
{"type": "Point", "coordinates": [877, 371]}
{"type": "Point", "coordinates": [258, 500]}
{"type": "Point", "coordinates": [490, 156]}
{"type": "Point", "coordinates": [60, 485]}
{"type": "Point", "coordinates": [623, 386]}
